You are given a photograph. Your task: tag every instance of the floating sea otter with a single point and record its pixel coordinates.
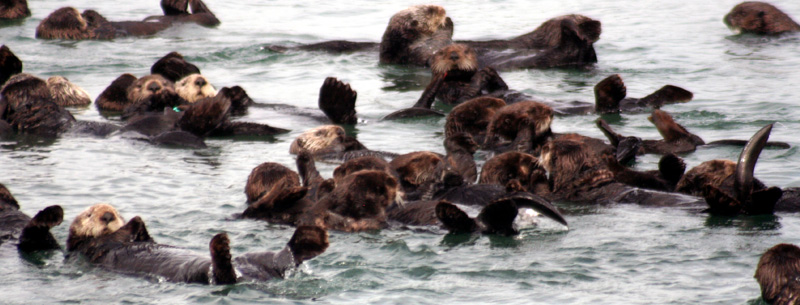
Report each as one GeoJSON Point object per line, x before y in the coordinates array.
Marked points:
{"type": "Point", "coordinates": [416, 33]}
{"type": "Point", "coordinates": [61, 90]}
{"type": "Point", "coordinates": [14, 9]}
{"type": "Point", "coordinates": [100, 235]}
{"type": "Point", "coordinates": [759, 18]}
{"type": "Point", "coordinates": [31, 234]}
{"type": "Point", "coordinates": [69, 23]}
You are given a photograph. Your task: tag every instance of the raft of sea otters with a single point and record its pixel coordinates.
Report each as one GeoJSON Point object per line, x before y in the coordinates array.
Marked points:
{"type": "Point", "coordinates": [531, 166]}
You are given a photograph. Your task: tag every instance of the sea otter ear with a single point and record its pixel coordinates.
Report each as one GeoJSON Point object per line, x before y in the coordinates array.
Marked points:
{"type": "Point", "coordinates": [308, 242]}
{"type": "Point", "coordinates": [454, 219]}
{"type": "Point", "coordinates": [175, 7]}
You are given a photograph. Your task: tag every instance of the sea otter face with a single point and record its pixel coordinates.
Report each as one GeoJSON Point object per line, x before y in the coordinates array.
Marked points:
{"type": "Point", "coordinates": [424, 19]}
{"type": "Point", "coordinates": [759, 18]}
{"type": "Point", "coordinates": [98, 220]}
{"type": "Point", "coordinates": [508, 166]}
{"type": "Point", "coordinates": [365, 194]}
{"type": "Point", "coordinates": [320, 140]}
{"type": "Point", "coordinates": [194, 87]}
{"type": "Point", "coordinates": [152, 84]}
{"type": "Point", "coordinates": [455, 59]}
{"type": "Point", "coordinates": [65, 93]}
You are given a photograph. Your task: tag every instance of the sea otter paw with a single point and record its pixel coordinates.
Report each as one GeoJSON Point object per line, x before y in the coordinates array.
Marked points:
{"type": "Point", "coordinates": [222, 271]}
{"type": "Point", "coordinates": [668, 94]}
{"type": "Point", "coordinates": [608, 93]}
{"type": "Point", "coordinates": [338, 101]}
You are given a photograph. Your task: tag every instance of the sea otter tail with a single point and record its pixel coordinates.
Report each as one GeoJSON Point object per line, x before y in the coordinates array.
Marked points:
{"type": "Point", "coordinates": [608, 93]}
{"type": "Point", "coordinates": [222, 267]}
{"type": "Point", "coordinates": [36, 234]}
{"type": "Point", "coordinates": [338, 101]}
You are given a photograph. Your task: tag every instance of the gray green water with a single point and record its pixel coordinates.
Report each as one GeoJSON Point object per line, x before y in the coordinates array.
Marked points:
{"type": "Point", "coordinates": [610, 255]}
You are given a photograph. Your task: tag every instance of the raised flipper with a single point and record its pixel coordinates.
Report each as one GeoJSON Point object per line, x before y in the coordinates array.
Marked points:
{"type": "Point", "coordinates": [671, 168]}
{"type": "Point", "coordinates": [498, 217]}
{"type": "Point", "coordinates": [626, 147]}
{"type": "Point", "coordinates": [115, 96]}
{"type": "Point", "coordinates": [9, 64]}
{"type": "Point", "coordinates": [172, 66]}
{"type": "Point", "coordinates": [423, 105]}
{"type": "Point", "coordinates": [199, 7]}
{"type": "Point", "coordinates": [668, 94]}
{"type": "Point", "coordinates": [221, 265]}
{"type": "Point", "coordinates": [537, 203]}
{"type": "Point", "coordinates": [608, 93]}
{"type": "Point", "coordinates": [36, 235]}
{"type": "Point", "coordinates": [133, 231]}
{"type": "Point", "coordinates": [454, 219]}
{"type": "Point", "coordinates": [338, 101]}
{"type": "Point", "coordinates": [308, 242]}
{"type": "Point", "coordinates": [175, 7]}
{"type": "Point", "coordinates": [240, 101]}
{"type": "Point", "coordinates": [670, 130]}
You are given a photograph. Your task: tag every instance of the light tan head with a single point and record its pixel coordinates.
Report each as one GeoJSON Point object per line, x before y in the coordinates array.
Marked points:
{"type": "Point", "coordinates": [455, 57]}
{"type": "Point", "coordinates": [320, 140]}
{"type": "Point", "coordinates": [194, 87]}
{"type": "Point", "coordinates": [426, 19]}
{"type": "Point", "coordinates": [149, 85]}
{"type": "Point", "coordinates": [65, 93]}
{"type": "Point", "coordinates": [98, 220]}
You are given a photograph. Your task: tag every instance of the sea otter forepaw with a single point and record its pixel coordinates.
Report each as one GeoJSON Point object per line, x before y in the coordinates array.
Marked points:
{"type": "Point", "coordinates": [223, 272]}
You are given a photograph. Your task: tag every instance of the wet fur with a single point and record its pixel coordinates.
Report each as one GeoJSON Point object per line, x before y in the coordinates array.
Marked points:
{"type": "Point", "coordinates": [759, 18]}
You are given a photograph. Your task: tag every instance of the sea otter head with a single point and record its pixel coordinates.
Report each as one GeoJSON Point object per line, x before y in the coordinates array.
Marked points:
{"type": "Point", "coordinates": [472, 116]}
{"type": "Point", "coordinates": [194, 87]}
{"type": "Point", "coordinates": [23, 88]}
{"type": "Point", "coordinates": [98, 220]}
{"type": "Point", "coordinates": [69, 23]}
{"type": "Point", "coordinates": [713, 173]}
{"type": "Point", "coordinates": [422, 27]}
{"type": "Point", "coordinates": [778, 269]}
{"type": "Point", "coordinates": [570, 164]}
{"type": "Point", "coordinates": [364, 194]}
{"type": "Point", "coordinates": [759, 18]}
{"type": "Point", "coordinates": [264, 178]}
{"type": "Point", "coordinates": [65, 93]}
{"type": "Point", "coordinates": [147, 86]}
{"type": "Point", "coordinates": [510, 120]}
{"type": "Point", "coordinates": [7, 201]}
{"type": "Point", "coordinates": [422, 19]}
{"type": "Point", "coordinates": [455, 60]}
{"type": "Point", "coordinates": [508, 166]}
{"type": "Point", "coordinates": [320, 140]}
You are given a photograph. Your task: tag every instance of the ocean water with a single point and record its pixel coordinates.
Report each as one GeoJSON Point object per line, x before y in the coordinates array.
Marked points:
{"type": "Point", "coordinates": [609, 255]}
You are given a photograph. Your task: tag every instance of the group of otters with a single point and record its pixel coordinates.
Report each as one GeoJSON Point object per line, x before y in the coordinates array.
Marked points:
{"type": "Point", "coordinates": [532, 166]}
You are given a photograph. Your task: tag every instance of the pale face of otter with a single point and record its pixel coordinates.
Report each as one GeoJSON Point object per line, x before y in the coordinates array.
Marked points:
{"type": "Point", "coordinates": [152, 84]}
{"type": "Point", "coordinates": [320, 140]}
{"type": "Point", "coordinates": [98, 220]}
{"type": "Point", "coordinates": [65, 93]}
{"type": "Point", "coordinates": [454, 58]}
{"type": "Point", "coordinates": [759, 18]}
{"type": "Point", "coordinates": [425, 19]}
{"type": "Point", "coordinates": [194, 87]}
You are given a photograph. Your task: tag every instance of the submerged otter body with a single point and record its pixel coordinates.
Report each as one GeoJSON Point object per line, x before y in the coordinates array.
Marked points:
{"type": "Point", "coordinates": [69, 23]}
{"type": "Point", "coordinates": [759, 18]}
{"type": "Point", "coordinates": [98, 235]}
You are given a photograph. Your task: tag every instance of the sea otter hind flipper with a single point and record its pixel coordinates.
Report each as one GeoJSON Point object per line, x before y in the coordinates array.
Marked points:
{"type": "Point", "coordinates": [338, 101]}
{"type": "Point", "coordinates": [36, 235]}
{"type": "Point", "coordinates": [308, 242]}
{"type": "Point", "coordinates": [672, 168]}
{"type": "Point", "coordinates": [668, 94]}
{"type": "Point", "coordinates": [9, 64]}
{"type": "Point", "coordinates": [222, 267]}
{"type": "Point", "coordinates": [175, 7]}
{"type": "Point", "coordinates": [608, 93]}
{"type": "Point", "coordinates": [498, 217]}
{"type": "Point", "coordinates": [412, 112]}
{"type": "Point", "coordinates": [173, 66]}
{"type": "Point", "coordinates": [178, 138]}
{"type": "Point", "coordinates": [454, 219]}
{"type": "Point", "coordinates": [538, 204]}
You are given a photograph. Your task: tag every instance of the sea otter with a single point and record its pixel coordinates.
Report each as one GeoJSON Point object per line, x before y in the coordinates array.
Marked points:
{"type": "Point", "coordinates": [115, 96]}
{"type": "Point", "coordinates": [777, 273]}
{"type": "Point", "coordinates": [460, 148]}
{"type": "Point", "coordinates": [173, 67]}
{"type": "Point", "coordinates": [30, 234]}
{"type": "Point", "coordinates": [58, 89]}
{"type": "Point", "coordinates": [329, 142]}
{"type": "Point", "coordinates": [274, 194]}
{"type": "Point", "coordinates": [194, 87]}
{"type": "Point", "coordinates": [14, 9]}
{"type": "Point", "coordinates": [525, 123]}
{"type": "Point", "coordinates": [759, 18]}
{"type": "Point", "coordinates": [98, 234]}
{"type": "Point", "coordinates": [9, 64]}
{"type": "Point", "coordinates": [473, 117]}
{"type": "Point", "coordinates": [69, 23]}
{"type": "Point", "coordinates": [670, 170]}
{"type": "Point", "coordinates": [514, 165]}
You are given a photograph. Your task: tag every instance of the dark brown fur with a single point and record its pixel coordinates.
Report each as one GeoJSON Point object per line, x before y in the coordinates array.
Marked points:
{"type": "Point", "coordinates": [472, 117]}
{"type": "Point", "coordinates": [115, 96]}
{"type": "Point", "coordinates": [759, 18]}
{"type": "Point", "coordinates": [503, 168]}
{"type": "Point", "coordinates": [414, 34]}
{"type": "Point", "coordinates": [417, 169]}
{"type": "Point", "coordinates": [359, 164]}
{"type": "Point", "coordinates": [777, 273]}
{"type": "Point", "coordinates": [9, 64]}
{"type": "Point", "coordinates": [14, 9]}
{"type": "Point", "coordinates": [462, 78]}
{"type": "Point", "coordinates": [460, 148]}
{"type": "Point", "coordinates": [173, 67]}
{"type": "Point", "coordinates": [524, 123]}
{"type": "Point", "coordinates": [274, 194]}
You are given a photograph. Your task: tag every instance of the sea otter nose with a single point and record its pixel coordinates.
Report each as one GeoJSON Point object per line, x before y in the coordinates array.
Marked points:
{"type": "Point", "coordinates": [454, 56]}
{"type": "Point", "coordinates": [107, 217]}
{"type": "Point", "coordinates": [153, 87]}
{"type": "Point", "coordinates": [200, 82]}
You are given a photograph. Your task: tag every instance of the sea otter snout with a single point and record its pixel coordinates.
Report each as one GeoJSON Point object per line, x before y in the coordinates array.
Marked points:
{"type": "Point", "coordinates": [150, 85]}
